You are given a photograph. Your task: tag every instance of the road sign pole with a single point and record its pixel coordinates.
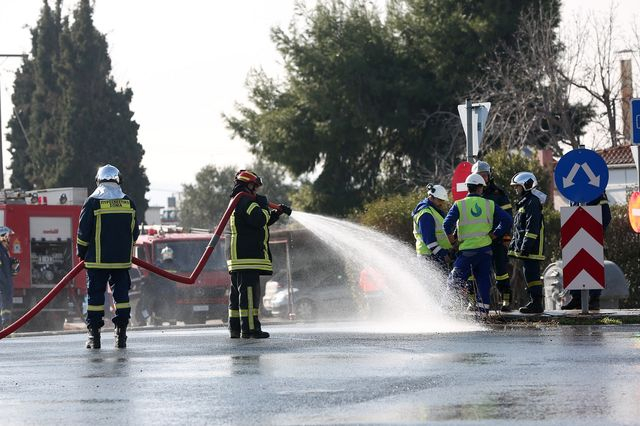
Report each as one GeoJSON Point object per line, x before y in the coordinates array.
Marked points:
{"type": "Point", "coordinates": [469, 131]}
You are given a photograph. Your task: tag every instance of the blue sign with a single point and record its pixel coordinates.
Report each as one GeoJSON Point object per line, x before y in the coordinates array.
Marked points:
{"type": "Point", "coordinates": [635, 121]}
{"type": "Point", "coordinates": [581, 175]}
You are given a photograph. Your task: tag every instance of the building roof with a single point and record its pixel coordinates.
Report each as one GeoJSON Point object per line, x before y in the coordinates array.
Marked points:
{"type": "Point", "coordinates": [617, 155]}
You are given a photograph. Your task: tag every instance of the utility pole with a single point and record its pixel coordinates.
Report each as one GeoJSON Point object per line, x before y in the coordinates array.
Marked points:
{"type": "Point", "coordinates": [5, 55]}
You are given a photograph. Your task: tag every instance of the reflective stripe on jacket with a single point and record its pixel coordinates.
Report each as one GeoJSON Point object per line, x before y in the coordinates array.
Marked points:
{"type": "Point", "coordinates": [528, 229]}
{"type": "Point", "coordinates": [248, 247]}
{"type": "Point", "coordinates": [106, 233]}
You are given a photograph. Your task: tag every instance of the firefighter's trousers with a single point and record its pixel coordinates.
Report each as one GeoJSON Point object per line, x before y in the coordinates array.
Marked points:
{"type": "Point", "coordinates": [6, 302]}
{"type": "Point", "coordinates": [476, 262]}
{"type": "Point", "coordinates": [531, 269]}
{"type": "Point", "coordinates": [501, 266]}
{"type": "Point", "coordinates": [120, 283]}
{"type": "Point", "coordinates": [244, 302]}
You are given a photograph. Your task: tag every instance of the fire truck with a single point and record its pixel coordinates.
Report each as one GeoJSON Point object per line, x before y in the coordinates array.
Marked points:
{"type": "Point", "coordinates": [194, 303]}
{"type": "Point", "coordinates": [44, 225]}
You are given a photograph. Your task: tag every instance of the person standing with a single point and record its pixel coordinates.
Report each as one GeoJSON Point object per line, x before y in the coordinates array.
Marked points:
{"type": "Point", "coordinates": [6, 278]}
{"type": "Point", "coordinates": [499, 246]}
{"type": "Point", "coordinates": [107, 232]}
{"type": "Point", "coordinates": [478, 222]}
{"type": "Point", "coordinates": [428, 216]}
{"type": "Point", "coordinates": [249, 255]}
{"type": "Point", "coordinates": [594, 295]}
{"type": "Point", "coordinates": [528, 235]}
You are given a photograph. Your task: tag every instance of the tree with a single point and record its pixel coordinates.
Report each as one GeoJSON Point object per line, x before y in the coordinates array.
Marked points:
{"type": "Point", "coordinates": [530, 94]}
{"type": "Point", "coordinates": [72, 118]}
{"type": "Point", "coordinates": [369, 103]}
{"type": "Point", "coordinates": [205, 202]}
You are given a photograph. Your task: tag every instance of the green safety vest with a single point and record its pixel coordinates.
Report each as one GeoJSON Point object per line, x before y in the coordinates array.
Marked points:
{"type": "Point", "coordinates": [441, 238]}
{"type": "Point", "coordinates": [475, 222]}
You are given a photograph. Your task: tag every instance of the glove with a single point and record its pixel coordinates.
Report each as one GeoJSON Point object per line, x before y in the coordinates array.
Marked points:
{"type": "Point", "coordinates": [262, 201]}
{"type": "Point", "coordinates": [82, 252]}
{"type": "Point", "coordinates": [285, 209]}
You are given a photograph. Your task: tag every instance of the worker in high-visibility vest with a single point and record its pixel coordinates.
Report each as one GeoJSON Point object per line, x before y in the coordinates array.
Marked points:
{"type": "Point", "coordinates": [499, 246]}
{"type": "Point", "coordinates": [478, 222]}
{"type": "Point", "coordinates": [431, 241]}
{"type": "Point", "coordinates": [528, 237]}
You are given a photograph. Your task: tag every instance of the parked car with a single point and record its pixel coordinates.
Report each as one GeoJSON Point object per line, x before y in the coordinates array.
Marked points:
{"type": "Point", "coordinates": [328, 296]}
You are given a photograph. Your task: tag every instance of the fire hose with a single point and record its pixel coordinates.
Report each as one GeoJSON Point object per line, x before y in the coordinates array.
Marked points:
{"type": "Point", "coordinates": [174, 277]}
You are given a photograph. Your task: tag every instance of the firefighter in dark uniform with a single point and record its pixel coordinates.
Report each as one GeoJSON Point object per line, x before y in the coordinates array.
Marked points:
{"type": "Point", "coordinates": [594, 295]}
{"type": "Point", "coordinates": [249, 255]}
{"type": "Point", "coordinates": [6, 279]}
{"type": "Point", "coordinates": [499, 246]}
{"type": "Point", "coordinates": [107, 231]}
{"type": "Point", "coordinates": [528, 237]}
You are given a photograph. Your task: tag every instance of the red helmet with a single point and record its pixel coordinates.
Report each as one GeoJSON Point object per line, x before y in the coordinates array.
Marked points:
{"type": "Point", "coordinates": [247, 176]}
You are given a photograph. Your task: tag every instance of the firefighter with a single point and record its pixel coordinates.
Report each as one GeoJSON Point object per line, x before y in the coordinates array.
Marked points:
{"type": "Point", "coordinates": [107, 231]}
{"type": "Point", "coordinates": [249, 255]}
{"type": "Point", "coordinates": [431, 241]}
{"type": "Point", "coordinates": [594, 295]}
{"type": "Point", "coordinates": [499, 246]}
{"type": "Point", "coordinates": [6, 279]}
{"type": "Point", "coordinates": [528, 235]}
{"type": "Point", "coordinates": [479, 221]}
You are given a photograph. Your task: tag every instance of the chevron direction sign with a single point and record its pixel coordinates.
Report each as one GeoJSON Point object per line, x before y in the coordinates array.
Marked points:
{"type": "Point", "coordinates": [582, 239]}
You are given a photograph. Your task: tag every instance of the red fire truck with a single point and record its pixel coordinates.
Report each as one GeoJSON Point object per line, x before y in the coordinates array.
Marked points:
{"type": "Point", "coordinates": [194, 303]}
{"type": "Point", "coordinates": [44, 225]}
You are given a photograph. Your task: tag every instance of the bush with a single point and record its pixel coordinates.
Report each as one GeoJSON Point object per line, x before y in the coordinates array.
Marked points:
{"type": "Point", "coordinates": [391, 215]}
{"type": "Point", "coordinates": [622, 246]}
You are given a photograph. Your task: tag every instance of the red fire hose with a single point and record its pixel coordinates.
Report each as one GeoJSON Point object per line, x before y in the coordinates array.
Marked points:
{"type": "Point", "coordinates": [179, 278]}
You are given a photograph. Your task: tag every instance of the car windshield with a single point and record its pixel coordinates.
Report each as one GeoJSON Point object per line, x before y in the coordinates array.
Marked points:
{"type": "Point", "coordinates": [187, 253]}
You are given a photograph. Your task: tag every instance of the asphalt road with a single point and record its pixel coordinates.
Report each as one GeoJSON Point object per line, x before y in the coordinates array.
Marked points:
{"type": "Point", "coordinates": [326, 374]}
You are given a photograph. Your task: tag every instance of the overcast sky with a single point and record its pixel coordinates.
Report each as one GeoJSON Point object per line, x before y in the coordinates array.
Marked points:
{"type": "Point", "coordinates": [186, 63]}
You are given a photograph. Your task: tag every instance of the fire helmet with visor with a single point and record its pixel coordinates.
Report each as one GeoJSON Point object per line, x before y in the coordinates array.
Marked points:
{"type": "Point", "coordinates": [247, 176]}
{"type": "Point", "coordinates": [527, 180]}
{"type": "Point", "coordinates": [481, 166]}
{"type": "Point", "coordinates": [108, 173]}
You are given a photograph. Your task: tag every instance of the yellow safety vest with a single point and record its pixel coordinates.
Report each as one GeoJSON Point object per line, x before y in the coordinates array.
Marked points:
{"type": "Point", "coordinates": [475, 222]}
{"type": "Point", "coordinates": [441, 238]}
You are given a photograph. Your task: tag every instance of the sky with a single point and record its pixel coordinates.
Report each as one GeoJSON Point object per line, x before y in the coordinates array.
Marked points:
{"type": "Point", "coordinates": [187, 64]}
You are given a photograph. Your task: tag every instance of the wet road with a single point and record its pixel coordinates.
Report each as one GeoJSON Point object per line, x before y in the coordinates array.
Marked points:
{"type": "Point", "coordinates": [326, 374]}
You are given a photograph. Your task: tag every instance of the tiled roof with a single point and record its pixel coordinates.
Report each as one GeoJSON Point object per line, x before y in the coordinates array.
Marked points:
{"type": "Point", "coordinates": [617, 155]}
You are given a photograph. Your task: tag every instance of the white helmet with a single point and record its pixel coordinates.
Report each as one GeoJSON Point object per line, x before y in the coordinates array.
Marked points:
{"type": "Point", "coordinates": [481, 166]}
{"type": "Point", "coordinates": [438, 192]}
{"type": "Point", "coordinates": [108, 173]}
{"type": "Point", "coordinates": [475, 179]}
{"type": "Point", "coordinates": [527, 180]}
{"type": "Point", "coordinates": [166, 253]}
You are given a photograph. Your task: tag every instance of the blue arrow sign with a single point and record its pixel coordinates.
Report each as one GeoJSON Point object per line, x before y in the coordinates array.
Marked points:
{"type": "Point", "coordinates": [581, 175]}
{"type": "Point", "coordinates": [635, 121]}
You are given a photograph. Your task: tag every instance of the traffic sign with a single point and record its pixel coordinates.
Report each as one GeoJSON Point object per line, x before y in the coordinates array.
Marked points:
{"type": "Point", "coordinates": [458, 187]}
{"type": "Point", "coordinates": [582, 240]}
{"type": "Point", "coordinates": [635, 121]}
{"type": "Point", "coordinates": [581, 175]}
{"type": "Point", "coordinates": [479, 114]}
{"type": "Point", "coordinates": [634, 211]}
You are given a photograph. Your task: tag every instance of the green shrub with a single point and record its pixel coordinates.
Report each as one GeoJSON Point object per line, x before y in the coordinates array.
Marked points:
{"type": "Point", "coordinates": [391, 215]}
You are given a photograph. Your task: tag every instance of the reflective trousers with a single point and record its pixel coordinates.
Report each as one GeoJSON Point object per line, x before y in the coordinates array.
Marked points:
{"type": "Point", "coordinates": [501, 266]}
{"type": "Point", "coordinates": [476, 262]}
{"type": "Point", "coordinates": [244, 301]}
{"type": "Point", "coordinates": [120, 283]}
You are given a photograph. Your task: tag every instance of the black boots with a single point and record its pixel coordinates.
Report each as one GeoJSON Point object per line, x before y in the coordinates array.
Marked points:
{"type": "Point", "coordinates": [535, 306]}
{"type": "Point", "coordinates": [120, 336]}
{"type": "Point", "coordinates": [234, 326]}
{"type": "Point", "coordinates": [93, 341]}
{"type": "Point", "coordinates": [575, 303]}
{"type": "Point", "coordinates": [255, 334]}
{"type": "Point", "coordinates": [506, 302]}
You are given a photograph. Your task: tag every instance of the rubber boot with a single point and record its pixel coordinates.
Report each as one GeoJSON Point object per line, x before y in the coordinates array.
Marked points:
{"type": "Point", "coordinates": [575, 303]}
{"type": "Point", "coordinates": [93, 340]}
{"type": "Point", "coordinates": [506, 302]}
{"type": "Point", "coordinates": [120, 336]}
{"type": "Point", "coordinates": [257, 332]}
